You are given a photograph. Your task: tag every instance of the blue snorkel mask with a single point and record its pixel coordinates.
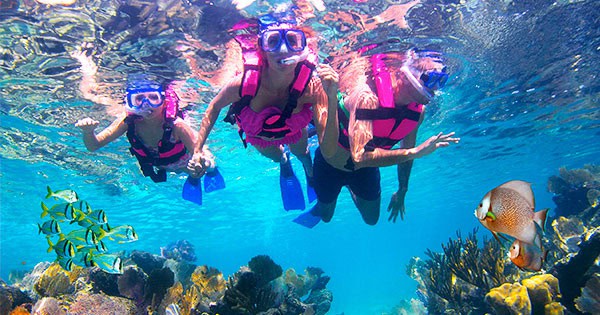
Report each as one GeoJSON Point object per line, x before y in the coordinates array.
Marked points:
{"type": "Point", "coordinates": [271, 36]}
{"type": "Point", "coordinates": [142, 96]}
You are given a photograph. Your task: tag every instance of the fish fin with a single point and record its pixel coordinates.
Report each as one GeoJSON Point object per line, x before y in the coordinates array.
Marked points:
{"type": "Point", "coordinates": [39, 229]}
{"type": "Point", "coordinates": [51, 246]}
{"type": "Point", "coordinates": [523, 188]}
{"type": "Point", "coordinates": [49, 192]}
{"type": "Point", "coordinates": [44, 210]}
{"type": "Point", "coordinates": [540, 218]}
{"type": "Point", "coordinates": [490, 215]}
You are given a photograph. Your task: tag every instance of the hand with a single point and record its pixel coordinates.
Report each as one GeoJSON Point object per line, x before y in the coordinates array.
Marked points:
{"type": "Point", "coordinates": [197, 166]}
{"type": "Point", "coordinates": [397, 206]}
{"type": "Point", "coordinates": [329, 79]}
{"type": "Point", "coordinates": [431, 144]}
{"type": "Point", "coordinates": [87, 125]}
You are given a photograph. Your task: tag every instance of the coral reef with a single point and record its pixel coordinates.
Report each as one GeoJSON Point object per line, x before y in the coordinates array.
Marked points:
{"type": "Point", "coordinates": [459, 278]}
{"type": "Point", "coordinates": [537, 295]}
{"type": "Point", "coordinates": [48, 306]}
{"type": "Point", "coordinates": [181, 250]}
{"type": "Point", "coordinates": [468, 280]}
{"type": "Point", "coordinates": [509, 299]}
{"type": "Point", "coordinates": [101, 304]}
{"type": "Point", "coordinates": [589, 301]}
{"type": "Point", "coordinates": [10, 297]}
{"type": "Point", "coordinates": [572, 188]}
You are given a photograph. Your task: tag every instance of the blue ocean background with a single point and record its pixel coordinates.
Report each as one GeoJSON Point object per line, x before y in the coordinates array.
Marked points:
{"type": "Point", "coordinates": [523, 97]}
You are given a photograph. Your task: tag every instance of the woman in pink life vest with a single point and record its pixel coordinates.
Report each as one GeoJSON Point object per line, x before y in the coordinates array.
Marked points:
{"type": "Point", "coordinates": [385, 104]}
{"type": "Point", "coordinates": [276, 96]}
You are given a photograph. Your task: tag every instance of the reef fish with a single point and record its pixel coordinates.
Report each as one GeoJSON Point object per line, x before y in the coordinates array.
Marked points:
{"type": "Point", "coordinates": [527, 256]}
{"type": "Point", "coordinates": [509, 209]}
{"type": "Point", "coordinates": [67, 195]}
{"type": "Point", "coordinates": [108, 263]}
{"type": "Point", "coordinates": [63, 247]}
{"type": "Point", "coordinates": [60, 210]}
{"type": "Point", "coordinates": [49, 227]}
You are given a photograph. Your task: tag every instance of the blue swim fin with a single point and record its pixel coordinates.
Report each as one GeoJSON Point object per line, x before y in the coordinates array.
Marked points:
{"type": "Point", "coordinates": [307, 219]}
{"type": "Point", "coordinates": [213, 181]}
{"type": "Point", "coordinates": [310, 191]}
{"type": "Point", "coordinates": [291, 190]}
{"type": "Point", "coordinates": [192, 190]}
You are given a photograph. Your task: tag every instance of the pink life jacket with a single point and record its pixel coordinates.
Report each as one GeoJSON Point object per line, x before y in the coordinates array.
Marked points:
{"type": "Point", "coordinates": [168, 152]}
{"type": "Point", "coordinates": [390, 123]}
{"type": "Point", "coordinates": [274, 127]}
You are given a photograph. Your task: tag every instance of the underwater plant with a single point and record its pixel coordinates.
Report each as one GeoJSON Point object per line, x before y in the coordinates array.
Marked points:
{"type": "Point", "coordinates": [459, 278]}
{"type": "Point", "coordinates": [84, 244]}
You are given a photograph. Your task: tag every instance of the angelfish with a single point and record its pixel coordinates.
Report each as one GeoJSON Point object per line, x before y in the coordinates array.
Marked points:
{"type": "Point", "coordinates": [527, 256]}
{"type": "Point", "coordinates": [509, 209]}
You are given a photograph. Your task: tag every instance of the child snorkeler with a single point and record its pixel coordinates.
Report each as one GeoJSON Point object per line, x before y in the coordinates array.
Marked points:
{"type": "Point", "coordinates": [160, 138]}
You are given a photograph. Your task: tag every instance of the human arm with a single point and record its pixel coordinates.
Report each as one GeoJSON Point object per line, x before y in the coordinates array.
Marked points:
{"type": "Point", "coordinates": [88, 85]}
{"type": "Point", "coordinates": [396, 205]}
{"type": "Point", "coordinates": [227, 95]}
{"type": "Point", "coordinates": [325, 110]}
{"type": "Point", "coordinates": [361, 132]}
{"type": "Point", "coordinates": [94, 141]}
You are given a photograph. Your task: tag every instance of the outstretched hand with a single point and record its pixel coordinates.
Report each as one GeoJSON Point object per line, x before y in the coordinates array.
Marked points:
{"type": "Point", "coordinates": [397, 206]}
{"type": "Point", "coordinates": [87, 125]}
{"type": "Point", "coordinates": [437, 141]}
{"type": "Point", "coordinates": [329, 78]}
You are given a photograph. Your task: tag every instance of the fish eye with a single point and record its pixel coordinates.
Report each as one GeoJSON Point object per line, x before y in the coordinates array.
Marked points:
{"type": "Point", "coordinates": [480, 205]}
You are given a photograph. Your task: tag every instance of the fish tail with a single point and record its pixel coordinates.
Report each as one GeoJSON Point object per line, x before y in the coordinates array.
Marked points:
{"type": "Point", "coordinates": [540, 218]}
{"type": "Point", "coordinates": [50, 193]}
{"type": "Point", "coordinates": [39, 229]}
{"type": "Point", "coordinates": [51, 246]}
{"type": "Point", "coordinates": [44, 210]}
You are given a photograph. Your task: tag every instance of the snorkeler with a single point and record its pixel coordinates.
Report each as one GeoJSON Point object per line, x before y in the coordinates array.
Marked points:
{"type": "Point", "coordinates": [276, 97]}
{"type": "Point", "coordinates": [384, 105]}
{"type": "Point", "coordinates": [160, 138]}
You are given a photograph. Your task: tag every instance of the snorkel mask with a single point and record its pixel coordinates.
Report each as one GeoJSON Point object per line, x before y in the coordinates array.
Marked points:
{"type": "Point", "coordinates": [427, 81]}
{"type": "Point", "coordinates": [279, 29]}
{"type": "Point", "coordinates": [142, 96]}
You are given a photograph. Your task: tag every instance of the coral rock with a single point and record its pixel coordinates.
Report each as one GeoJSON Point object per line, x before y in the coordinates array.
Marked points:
{"type": "Point", "coordinates": [509, 299]}
{"type": "Point", "coordinates": [265, 269]}
{"type": "Point", "coordinates": [104, 282]}
{"type": "Point", "coordinates": [48, 306]}
{"type": "Point", "coordinates": [589, 301]}
{"type": "Point", "coordinates": [132, 283]}
{"type": "Point", "coordinates": [147, 261]}
{"type": "Point", "coordinates": [54, 281]}
{"type": "Point", "coordinates": [100, 304]}
{"type": "Point", "coordinates": [543, 290]}
{"type": "Point", "coordinates": [554, 308]}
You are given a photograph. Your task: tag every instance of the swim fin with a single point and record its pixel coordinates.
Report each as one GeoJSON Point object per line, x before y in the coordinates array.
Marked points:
{"type": "Point", "coordinates": [192, 190]}
{"type": "Point", "coordinates": [310, 191]}
{"type": "Point", "coordinates": [307, 219]}
{"type": "Point", "coordinates": [291, 190]}
{"type": "Point", "coordinates": [213, 181]}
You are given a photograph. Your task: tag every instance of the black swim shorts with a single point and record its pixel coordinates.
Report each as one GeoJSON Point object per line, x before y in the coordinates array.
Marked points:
{"type": "Point", "coordinates": [328, 181]}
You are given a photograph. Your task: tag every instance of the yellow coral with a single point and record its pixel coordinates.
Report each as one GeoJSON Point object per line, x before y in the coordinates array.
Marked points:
{"type": "Point", "coordinates": [509, 299]}
{"type": "Point", "coordinates": [543, 289]}
{"type": "Point", "coordinates": [55, 281]}
{"type": "Point", "coordinates": [208, 280]}
{"type": "Point", "coordinates": [554, 308]}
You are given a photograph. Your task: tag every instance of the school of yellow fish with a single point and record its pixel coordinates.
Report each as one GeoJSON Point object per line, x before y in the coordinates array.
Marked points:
{"type": "Point", "coordinates": [83, 246]}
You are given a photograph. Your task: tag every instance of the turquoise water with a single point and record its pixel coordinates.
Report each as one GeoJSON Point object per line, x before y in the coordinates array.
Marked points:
{"type": "Point", "coordinates": [523, 98]}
